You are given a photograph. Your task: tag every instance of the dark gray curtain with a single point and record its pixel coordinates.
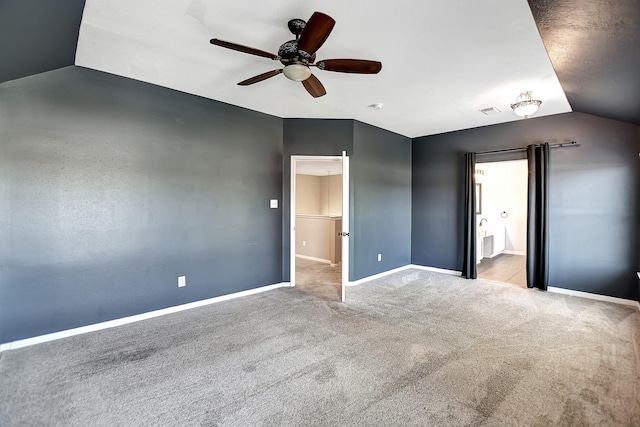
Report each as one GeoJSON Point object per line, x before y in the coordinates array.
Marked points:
{"type": "Point", "coordinates": [469, 268]}
{"type": "Point", "coordinates": [538, 217]}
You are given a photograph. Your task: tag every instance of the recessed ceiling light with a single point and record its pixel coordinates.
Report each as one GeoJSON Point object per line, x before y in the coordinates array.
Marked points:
{"type": "Point", "coordinates": [377, 106]}
{"type": "Point", "coordinates": [490, 110]}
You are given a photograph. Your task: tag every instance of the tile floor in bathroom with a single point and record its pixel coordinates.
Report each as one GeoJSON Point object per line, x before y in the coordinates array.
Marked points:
{"type": "Point", "coordinates": [504, 268]}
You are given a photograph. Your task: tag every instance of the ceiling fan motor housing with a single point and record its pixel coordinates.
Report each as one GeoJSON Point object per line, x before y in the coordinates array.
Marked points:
{"type": "Point", "coordinates": [289, 54]}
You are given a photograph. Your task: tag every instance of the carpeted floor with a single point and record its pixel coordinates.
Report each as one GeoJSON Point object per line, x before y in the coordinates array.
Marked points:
{"type": "Point", "coordinates": [414, 348]}
{"type": "Point", "coordinates": [319, 279]}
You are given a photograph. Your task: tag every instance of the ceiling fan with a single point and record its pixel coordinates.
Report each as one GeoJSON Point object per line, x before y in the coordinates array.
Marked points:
{"type": "Point", "coordinates": [299, 55]}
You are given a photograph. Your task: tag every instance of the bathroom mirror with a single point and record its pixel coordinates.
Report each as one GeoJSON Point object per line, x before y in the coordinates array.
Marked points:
{"type": "Point", "coordinates": [478, 199]}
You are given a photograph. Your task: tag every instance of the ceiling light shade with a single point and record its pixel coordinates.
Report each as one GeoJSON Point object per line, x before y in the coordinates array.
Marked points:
{"type": "Point", "coordinates": [524, 105]}
{"type": "Point", "coordinates": [297, 72]}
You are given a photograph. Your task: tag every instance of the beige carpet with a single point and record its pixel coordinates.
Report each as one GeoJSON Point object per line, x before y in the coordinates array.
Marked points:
{"type": "Point", "coordinates": [413, 349]}
{"type": "Point", "coordinates": [319, 279]}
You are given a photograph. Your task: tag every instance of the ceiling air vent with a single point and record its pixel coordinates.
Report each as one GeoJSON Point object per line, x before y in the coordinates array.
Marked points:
{"type": "Point", "coordinates": [490, 110]}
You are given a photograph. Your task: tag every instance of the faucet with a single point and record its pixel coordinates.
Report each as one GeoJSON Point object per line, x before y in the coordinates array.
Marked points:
{"type": "Point", "coordinates": [483, 219]}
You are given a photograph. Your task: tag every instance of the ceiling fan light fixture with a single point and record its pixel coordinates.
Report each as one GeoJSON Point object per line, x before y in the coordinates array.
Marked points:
{"type": "Point", "coordinates": [297, 72]}
{"type": "Point", "coordinates": [524, 105]}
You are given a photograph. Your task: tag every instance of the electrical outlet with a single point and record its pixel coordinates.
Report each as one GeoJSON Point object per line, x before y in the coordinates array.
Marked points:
{"type": "Point", "coordinates": [304, 243]}
{"type": "Point", "coordinates": [182, 281]}
{"type": "Point", "coordinates": [379, 257]}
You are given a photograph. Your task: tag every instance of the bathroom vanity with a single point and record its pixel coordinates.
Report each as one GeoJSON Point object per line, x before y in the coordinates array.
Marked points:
{"type": "Point", "coordinates": [491, 242]}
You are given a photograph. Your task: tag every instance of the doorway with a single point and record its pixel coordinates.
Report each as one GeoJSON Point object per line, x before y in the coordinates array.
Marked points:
{"type": "Point", "coordinates": [319, 225]}
{"type": "Point", "coordinates": [501, 221]}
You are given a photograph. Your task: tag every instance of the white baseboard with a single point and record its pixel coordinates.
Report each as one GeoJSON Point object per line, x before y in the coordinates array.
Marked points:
{"type": "Point", "coordinates": [379, 275]}
{"type": "Point", "coordinates": [135, 318]}
{"type": "Point", "coordinates": [437, 270]}
{"type": "Point", "coordinates": [405, 267]}
{"type": "Point", "coordinates": [310, 258]}
{"type": "Point", "coordinates": [514, 253]}
{"type": "Point", "coordinates": [596, 297]}
{"type": "Point", "coordinates": [157, 313]}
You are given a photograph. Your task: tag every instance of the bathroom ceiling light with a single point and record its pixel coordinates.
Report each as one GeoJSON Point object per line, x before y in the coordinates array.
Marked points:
{"type": "Point", "coordinates": [524, 105]}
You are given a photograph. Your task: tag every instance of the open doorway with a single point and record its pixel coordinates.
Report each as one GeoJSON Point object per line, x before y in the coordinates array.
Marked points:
{"type": "Point", "coordinates": [319, 225]}
{"type": "Point", "coordinates": [501, 221]}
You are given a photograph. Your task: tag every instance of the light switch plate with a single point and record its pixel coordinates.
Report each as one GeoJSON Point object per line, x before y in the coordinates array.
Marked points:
{"type": "Point", "coordinates": [274, 204]}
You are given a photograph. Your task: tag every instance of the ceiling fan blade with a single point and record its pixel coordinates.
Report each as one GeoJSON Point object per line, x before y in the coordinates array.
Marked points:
{"type": "Point", "coordinates": [314, 87]}
{"type": "Point", "coordinates": [245, 49]}
{"type": "Point", "coordinates": [358, 66]}
{"type": "Point", "coordinates": [315, 32]}
{"type": "Point", "coordinates": [260, 77]}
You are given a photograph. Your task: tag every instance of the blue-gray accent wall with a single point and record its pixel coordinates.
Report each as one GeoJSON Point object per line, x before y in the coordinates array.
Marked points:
{"type": "Point", "coordinates": [381, 173]}
{"type": "Point", "coordinates": [37, 36]}
{"type": "Point", "coordinates": [309, 137]}
{"type": "Point", "coordinates": [111, 188]}
{"type": "Point", "coordinates": [379, 189]}
{"type": "Point", "coordinates": [594, 198]}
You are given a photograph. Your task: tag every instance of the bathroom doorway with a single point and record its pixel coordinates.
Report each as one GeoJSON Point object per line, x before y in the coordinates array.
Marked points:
{"type": "Point", "coordinates": [501, 221]}
{"type": "Point", "coordinates": [319, 225]}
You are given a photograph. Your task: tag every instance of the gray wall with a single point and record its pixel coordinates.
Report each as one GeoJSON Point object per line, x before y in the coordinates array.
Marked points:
{"type": "Point", "coordinates": [37, 36]}
{"type": "Point", "coordinates": [380, 189]}
{"type": "Point", "coordinates": [594, 198]}
{"type": "Point", "coordinates": [111, 188]}
{"type": "Point", "coordinates": [310, 137]}
{"type": "Point", "coordinates": [381, 173]}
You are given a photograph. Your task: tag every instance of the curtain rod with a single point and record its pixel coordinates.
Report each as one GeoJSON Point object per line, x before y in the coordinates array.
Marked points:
{"type": "Point", "coordinates": [513, 150]}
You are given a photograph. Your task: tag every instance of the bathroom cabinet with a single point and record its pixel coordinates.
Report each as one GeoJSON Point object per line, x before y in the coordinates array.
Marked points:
{"type": "Point", "coordinates": [491, 242]}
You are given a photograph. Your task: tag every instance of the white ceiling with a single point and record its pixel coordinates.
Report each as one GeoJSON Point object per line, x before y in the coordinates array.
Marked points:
{"type": "Point", "coordinates": [442, 61]}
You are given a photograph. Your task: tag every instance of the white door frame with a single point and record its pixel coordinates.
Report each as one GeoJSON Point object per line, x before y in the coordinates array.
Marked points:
{"type": "Point", "coordinates": [345, 215]}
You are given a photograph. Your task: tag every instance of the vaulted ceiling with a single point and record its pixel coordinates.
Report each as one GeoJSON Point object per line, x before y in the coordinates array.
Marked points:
{"type": "Point", "coordinates": [594, 46]}
{"type": "Point", "coordinates": [442, 61]}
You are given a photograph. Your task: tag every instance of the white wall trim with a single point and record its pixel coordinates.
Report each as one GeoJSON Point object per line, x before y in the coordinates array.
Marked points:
{"type": "Point", "coordinates": [169, 310]}
{"type": "Point", "coordinates": [324, 261]}
{"type": "Point", "coordinates": [135, 318]}
{"type": "Point", "coordinates": [379, 275]}
{"type": "Point", "coordinates": [405, 267]}
{"type": "Point", "coordinates": [437, 270]}
{"type": "Point", "coordinates": [596, 297]}
{"type": "Point", "coordinates": [514, 252]}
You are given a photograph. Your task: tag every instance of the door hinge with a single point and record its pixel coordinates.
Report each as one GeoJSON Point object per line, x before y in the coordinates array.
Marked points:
{"type": "Point", "coordinates": [343, 234]}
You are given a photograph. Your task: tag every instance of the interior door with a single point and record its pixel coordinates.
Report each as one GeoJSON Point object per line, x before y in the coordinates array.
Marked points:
{"type": "Point", "coordinates": [344, 233]}
{"type": "Point", "coordinates": [345, 224]}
